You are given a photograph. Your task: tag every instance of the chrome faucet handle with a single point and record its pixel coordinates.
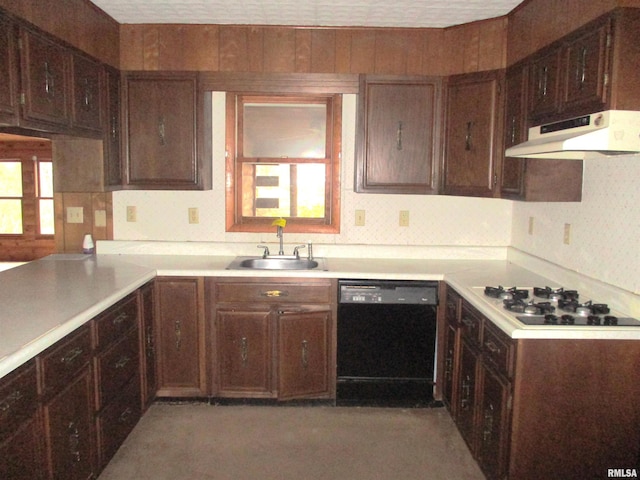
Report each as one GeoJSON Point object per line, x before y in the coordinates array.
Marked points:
{"type": "Point", "coordinates": [296, 253]}
{"type": "Point", "coordinates": [265, 254]}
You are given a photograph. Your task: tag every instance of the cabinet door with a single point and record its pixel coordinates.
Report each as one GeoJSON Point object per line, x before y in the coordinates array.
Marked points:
{"type": "Point", "coordinates": [474, 134]}
{"type": "Point", "coordinates": [9, 72]}
{"type": "Point", "coordinates": [449, 379]}
{"type": "Point", "coordinates": [45, 82]}
{"type": "Point", "coordinates": [21, 455]}
{"type": "Point", "coordinates": [397, 137]}
{"type": "Point", "coordinates": [512, 184]}
{"type": "Point", "coordinates": [303, 353]}
{"type": "Point", "coordinates": [586, 63]}
{"type": "Point", "coordinates": [70, 430]}
{"type": "Point", "coordinates": [243, 349]}
{"type": "Point", "coordinates": [161, 126]}
{"type": "Point", "coordinates": [112, 158]}
{"type": "Point", "coordinates": [493, 425]}
{"type": "Point", "coordinates": [180, 337]}
{"type": "Point", "coordinates": [148, 350]}
{"type": "Point", "coordinates": [87, 91]}
{"type": "Point", "coordinates": [466, 401]}
{"type": "Point", "coordinates": [544, 84]}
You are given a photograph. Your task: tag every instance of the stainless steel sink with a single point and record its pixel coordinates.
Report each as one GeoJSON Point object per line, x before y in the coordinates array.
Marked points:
{"type": "Point", "coordinates": [276, 263]}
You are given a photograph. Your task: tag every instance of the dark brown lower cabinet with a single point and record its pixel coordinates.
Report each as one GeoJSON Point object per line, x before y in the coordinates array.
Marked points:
{"type": "Point", "coordinates": [179, 337]}
{"type": "Point", "coordinates": [147, 346]}
{"type": "Point", "coordinates": [70, 431]}
{"type": "Point", "coordinates": [467, 394]}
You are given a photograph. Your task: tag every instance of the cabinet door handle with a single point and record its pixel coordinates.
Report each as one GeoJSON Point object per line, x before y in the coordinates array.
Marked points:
{"type": "Point", "coordinates": [178, 334]}
{"type": "Point", "coordinates": [149, 341]}
{"type": "Point", "coordinates": [122, 362]}
{"type": "Point", "coordinates": [492, 347]}
{"type": "Point", "coordinates": [487, 430]}
{"type": "Point", "coordinates": [305, 354]}
{"type": "Point", "coordinates": [244, 351]}
{"type": "Point", "coordinates": [161, 131]}
{"type": "Point", "coordinates": [87, 95]}
{"type": "Point", "coordinates": [49, 82]}
{"type": "Point", "coordinates": [74, 441]}
{"type": "Point", "coordinates": [467, 137]}
{"type": "Point", "coordinates": [114, 126]}
{"type": "Point", "coordinates": [466, 393]}
{"type": "Point", "coordinates": [582, 68]}
{"type": "Point", "coordinates": [124, 416]}
{"type": "Point", "coordinates": [399, 136]}
{"type": "Point", "coordinates": [513, 129]}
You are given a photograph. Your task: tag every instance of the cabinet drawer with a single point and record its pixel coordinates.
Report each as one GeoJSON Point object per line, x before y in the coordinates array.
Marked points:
{"type": "Point", "coordinates": [116, 366]}
{"type": "Point", "coordinates": [60, 363]}
{"type": "Point", "coordinates": [117, 420]}
{"type": "Point", "coordinates": [470, 324]}
{"type": "Point", "coordinates": [498, 349]}
{"type": "Point", "coordinates": [18, 398]}
{"type": "Point", "coordinates": [112, 325]}
{"type": "Point", "coordinates": [279, 292]}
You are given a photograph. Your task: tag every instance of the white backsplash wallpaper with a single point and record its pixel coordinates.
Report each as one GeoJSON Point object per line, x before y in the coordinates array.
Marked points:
{"type": "Point", "coordinates": [604, 228]}
{"type": "Point", "coordinates": [604, 237]}
{"type": "Point", "coordinates": [434, 220]}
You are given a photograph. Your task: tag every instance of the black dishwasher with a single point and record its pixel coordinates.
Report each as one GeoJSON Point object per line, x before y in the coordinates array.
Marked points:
{"type": "Point", "coordinates": [386, 342]}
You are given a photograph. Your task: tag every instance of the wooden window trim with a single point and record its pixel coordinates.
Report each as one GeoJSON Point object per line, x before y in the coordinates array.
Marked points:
{"type": "Point", "coordinates": [294, 225]}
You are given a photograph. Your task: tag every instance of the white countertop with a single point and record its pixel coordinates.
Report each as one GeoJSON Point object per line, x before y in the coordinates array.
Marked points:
{"type": "Point", "coordinates": [44, 300]}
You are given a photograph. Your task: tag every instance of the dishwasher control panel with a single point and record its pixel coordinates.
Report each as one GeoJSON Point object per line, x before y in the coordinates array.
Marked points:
{"type": "Point", "coordinates": [389, 292]}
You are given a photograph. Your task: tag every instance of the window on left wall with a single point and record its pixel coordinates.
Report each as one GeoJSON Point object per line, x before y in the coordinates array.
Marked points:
{"type": "Point", "coordinates": [27, 214]}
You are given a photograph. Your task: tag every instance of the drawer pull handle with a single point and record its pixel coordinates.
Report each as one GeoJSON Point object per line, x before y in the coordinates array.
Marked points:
{"type": "Point", "coordinates": [244, 351]}
{"type": "Point", "coordinates": [468, 323]}
{"type": "Point", "coordinates": [124, 416]}
{"type": "Point", "coordinates": [305, 354]}
{"type": "Point", "coordinates": [122, 317]}
{"type": "Point", "coordinates": [466, 393]}
{"type": "Point", "coordinates": [487, 431]}
{"type": "Point", "coordinates": [122, 362]}
{"type": "Point", "coordinates": [70, 357]}
{"type": "Point", "coordinates": [492, 347]}
{"type": "Point", "coordinates": [149, 339]}
{"type": "Point", "coordinates": [275, 293]}
{"type": "Point", "coordinates": [10, 400]}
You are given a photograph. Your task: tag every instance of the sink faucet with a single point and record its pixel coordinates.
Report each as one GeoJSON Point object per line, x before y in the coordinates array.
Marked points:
{"type": "Point", "coordinates": [280, 235]}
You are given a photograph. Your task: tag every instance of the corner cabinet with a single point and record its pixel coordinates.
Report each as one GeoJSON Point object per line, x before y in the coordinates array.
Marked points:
{"type": "Point", "coordinates": [272, 338]}
{"type": "Point", "coordinates": [398, 134]}
{"type": "Point", "coordinates": [180, 337]}
{"type": "Point", "coordinates": [161, 126]}
{"type": "Point", "coordinates": [473, 136]}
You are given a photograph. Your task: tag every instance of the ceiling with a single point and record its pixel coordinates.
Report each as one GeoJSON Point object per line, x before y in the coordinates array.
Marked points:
{"type": "Point", "coordinates": [328, 13]}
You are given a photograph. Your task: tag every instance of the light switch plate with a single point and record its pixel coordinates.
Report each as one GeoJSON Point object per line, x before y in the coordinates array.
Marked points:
{"type": "Point", "coordinates": [193, 215]}
{"type": "Point", "coordinates": [132, 215]}
{"type": "Point", "coordinates": [359, 218]}
{"type": "Point", "coordinates": [75, 215]}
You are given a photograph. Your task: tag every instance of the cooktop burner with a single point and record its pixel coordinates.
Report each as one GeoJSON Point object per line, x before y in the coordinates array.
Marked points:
{"type": "Point", "coordinates": [548, 306]}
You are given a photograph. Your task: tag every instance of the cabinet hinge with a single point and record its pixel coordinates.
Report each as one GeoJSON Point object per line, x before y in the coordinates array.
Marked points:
{"type": "Point", "coordinates": [606, 79]}
{"type": "Point", "coordinates": [509, 402]}
{"type": "Point", "coordinates": [20, 44]}
{"type": "Point", "coordinates": [495, 179]}
{"type": "Point", "coordinates": [608, 40]}
{"type": "Point", "coordinates": [22, 99]}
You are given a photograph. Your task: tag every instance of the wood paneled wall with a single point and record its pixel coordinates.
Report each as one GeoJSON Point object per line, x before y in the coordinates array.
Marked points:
{"type": "Point", "coordinates": [536, 23]}
{"type": "Point", "coordinates": [78, 22]}
{"type": "Point", "coordinates": [234, 48]}
{"type": "Point", "coordinates": [69, 236]}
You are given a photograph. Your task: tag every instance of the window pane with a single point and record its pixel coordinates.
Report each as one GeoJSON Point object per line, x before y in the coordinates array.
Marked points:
{"type": "Point", "coordinates": [274, 130]}
{"type": "Point", "coordinates": [10, 217]}
{"type": "Point", "coordinates": [283, 190]}
{"type": "Point", "coordinates": [10, 179]}
{"type": "Point", "coordinates": [45, 209]}
{"type": "Point", "coordinates": [45, 174]}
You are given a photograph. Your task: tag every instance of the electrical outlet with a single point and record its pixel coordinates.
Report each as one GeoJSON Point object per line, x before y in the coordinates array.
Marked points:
{"type": "Point", "coordinates": [193, 215]}
{"type": "Point", "coordinates": [567, 234]}
{"type": "Point", "coordinates": [75, 215]}
{"type": "Point", "coordinates": [404, 218]}
{"type": "Point", "coordinates": [132, 215]}
{"type": "Point", "coordinates": [530, 225]}
{"type": "Point", "coordinates": [359, 218]}
{"type": "Point", "coordinates": [100, 218]}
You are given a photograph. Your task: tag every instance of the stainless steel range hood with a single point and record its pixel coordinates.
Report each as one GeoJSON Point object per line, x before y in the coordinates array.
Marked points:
{"type": "Point", "coordinates": [611, 132]}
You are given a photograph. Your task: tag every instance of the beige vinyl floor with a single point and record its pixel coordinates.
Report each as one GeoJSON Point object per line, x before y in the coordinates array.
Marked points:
{"type": "Point", "coordinates": [197, 441]}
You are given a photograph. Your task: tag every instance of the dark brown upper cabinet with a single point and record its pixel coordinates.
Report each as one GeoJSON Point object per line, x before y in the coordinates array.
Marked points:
{"type": "Point", "coordinates": [397, 138]}
{"type": "Point", "coordinates": [8, 73]}
{"type": "Point", "coordinates": [44, 67]}
{"type": "Point", "coordinates": [87, 103]}
{"type": "Point", "coordinates": [160, 132]}
{"type": "Point", "coordinates": [112, 127]}
{"type": "Point", "coordinates": [473, 136]}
